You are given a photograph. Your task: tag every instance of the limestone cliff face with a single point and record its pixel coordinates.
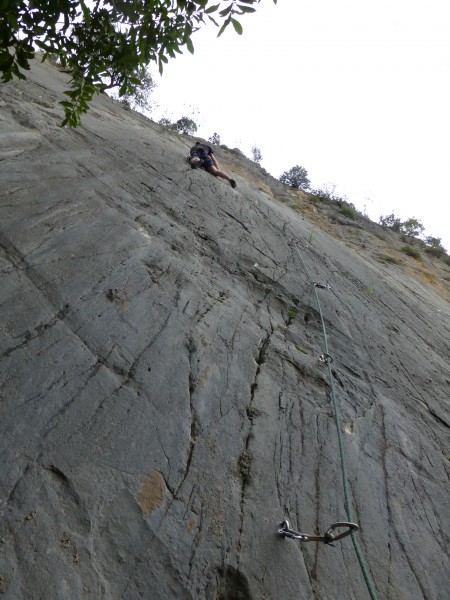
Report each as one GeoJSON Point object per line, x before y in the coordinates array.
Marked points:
{"type": "Point", "coordinates": [162, 402]}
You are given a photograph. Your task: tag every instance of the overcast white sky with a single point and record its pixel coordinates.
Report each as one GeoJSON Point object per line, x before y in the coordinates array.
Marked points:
{"type": "Point", "coordinates": [357, 93]}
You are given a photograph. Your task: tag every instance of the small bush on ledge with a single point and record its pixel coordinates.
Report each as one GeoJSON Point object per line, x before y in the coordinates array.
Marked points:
{"type": "Point", "coordinates": [385, 258]}
{"type": "Point", "coordinates": [348, 211]}
{"type": "Point", "coordinates": [410, 251]}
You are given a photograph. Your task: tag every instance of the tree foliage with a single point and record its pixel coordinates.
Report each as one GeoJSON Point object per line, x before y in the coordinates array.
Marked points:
{"type": "Point", "coordinates": [435, 247]}
{"type": "Point", "coordinates": [106, 43]}
{"type": "Point", "coordinates": [140, 98]}
{"type": "Point", "coordinates": [256, 155]}
{"type": "Point", "coordinates": [391, 221]}
{"type": "Point", "coordinates": [411, 227]}
{"type": "Point", "coordinates": [165, 122]}
{"type": "Point", "coordinates": [186, 126]}
{"type": "Point", "coordinates": [297, 177]}
{"type": "Point", "coordinates": [215, 139]}
{"type": "Point", "coordinates": [328, 194]}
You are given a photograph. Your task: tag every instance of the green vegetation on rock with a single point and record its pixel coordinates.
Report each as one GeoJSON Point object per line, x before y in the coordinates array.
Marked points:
{"type": "Point", "coordinates": [410, 251]}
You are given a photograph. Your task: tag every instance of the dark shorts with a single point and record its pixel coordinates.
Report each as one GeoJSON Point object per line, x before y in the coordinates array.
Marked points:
{"type": "Point", "coordinates": [207, 162]}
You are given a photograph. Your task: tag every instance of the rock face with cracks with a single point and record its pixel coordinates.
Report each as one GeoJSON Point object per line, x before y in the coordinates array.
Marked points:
{"type": "Point", "coordinates": [162, 405]}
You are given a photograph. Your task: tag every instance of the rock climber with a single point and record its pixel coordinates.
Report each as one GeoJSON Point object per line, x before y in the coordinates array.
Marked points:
{"type": "Point", "coordinates": [203, 156]}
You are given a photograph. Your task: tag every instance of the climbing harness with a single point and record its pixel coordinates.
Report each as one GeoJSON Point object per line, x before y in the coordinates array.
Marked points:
{"type": "Point", "coordinates": [328, 537]}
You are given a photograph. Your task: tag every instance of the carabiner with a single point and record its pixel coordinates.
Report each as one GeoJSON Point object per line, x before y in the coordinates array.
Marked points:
{"type": "Point", "coordinates": [326, 358]}
{"type": "Point", "coordinates": [328, 537]}
{"type": "Point", "coordinates": [323, 286]}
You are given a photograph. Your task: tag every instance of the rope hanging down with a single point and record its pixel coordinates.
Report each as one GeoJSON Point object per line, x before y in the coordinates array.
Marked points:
{"type": "Point", "coordinates": [285, 529]}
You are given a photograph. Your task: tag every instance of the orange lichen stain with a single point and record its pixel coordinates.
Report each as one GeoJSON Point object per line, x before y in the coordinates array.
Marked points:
{"type": "Point", "coordinates": [192, 524]}
{"type": "Point", "coordinates": [151, 494]}
{"type": "Point", "coordinates": [203, 376]}
{"type": "Point", "coordinates": [124, 306]}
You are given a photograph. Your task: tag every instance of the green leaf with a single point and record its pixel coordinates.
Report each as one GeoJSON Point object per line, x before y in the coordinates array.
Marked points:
{"type": "Point", "coordinates": [212, 9]}
{"type": "Point", "coordinates": [226, 11]}
{"type": "Point", "coordinates": [123, 89]}
{"type": "Point", "coordinates": [222, 29]}
{"type": "Point", "coordinates": [42, 45]}
{"type": "Point", "coordinates": [17, 73]}
{"type": "Point", "coordinates": [12, 19]}
{"type": "Point", "coordinates": [22, 61]}
{"type": "Point", "coordinates": [6, 60]}
{"type": "Point", "coordinates": [237, 26]}
{"type": "Point", "coordinates": [190, 45]}
{"type": "Point", "coordinates": [39, 30]}
{"type": "Point", "coordinates": [86, 12]}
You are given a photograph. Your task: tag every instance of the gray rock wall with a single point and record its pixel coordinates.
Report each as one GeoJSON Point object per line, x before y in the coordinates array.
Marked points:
{"type": "Point", "coordinates": [162, 405]}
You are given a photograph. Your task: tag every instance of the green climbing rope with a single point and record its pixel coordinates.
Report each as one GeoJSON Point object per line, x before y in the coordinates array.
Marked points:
{"type": "Point", "coordinates": [348, 506]}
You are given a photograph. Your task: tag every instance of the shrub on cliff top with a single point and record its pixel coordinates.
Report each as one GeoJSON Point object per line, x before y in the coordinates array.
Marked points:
{"type": "Point", "coordinates": [297, 178]}
{"type": "Point", "coordinates": [435, 247]}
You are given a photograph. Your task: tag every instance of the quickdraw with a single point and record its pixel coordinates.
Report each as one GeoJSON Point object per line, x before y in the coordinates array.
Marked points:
{"type": "Point", "coordinates": [326, 358]}
{"type": "Point", "coordinates": [328, 537]}
{"type": "Point", "coordinates": [323, 286]}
